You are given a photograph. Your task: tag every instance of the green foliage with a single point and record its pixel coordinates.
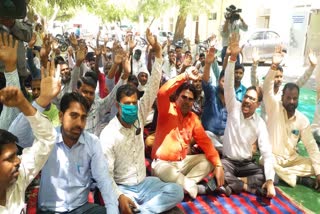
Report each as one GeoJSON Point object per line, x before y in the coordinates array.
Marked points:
{"type": "Point", "coordinates": [108, 12]}
{"type": "Point", "coordinates": [152, 8]}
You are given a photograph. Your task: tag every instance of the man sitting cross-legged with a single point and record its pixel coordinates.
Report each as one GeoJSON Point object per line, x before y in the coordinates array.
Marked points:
{"type": "Point", "coordinates": [244, 128]}
{"type": "Point", "coordinates": [176, 126]}
{"type": "Point", "coordinates": [287, 126]}
{"type": "Point", "coordinates": [123, 146]}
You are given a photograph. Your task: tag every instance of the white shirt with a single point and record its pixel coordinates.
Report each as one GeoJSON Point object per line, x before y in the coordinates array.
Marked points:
{"type": "Point", "coordinates": [241, 133]}
{"type": "Point", "coordinates": [137, 65]}
{"type": "Point", "coordinates": [286, 132]}
{"type": "Point", "coordinates": [32, 161]}
{"type": "Point", "coordinates": [99, 109]}
{"type": "Point", "coordinates": [169, 70]}
{"type": "Point", "coordinates": [121, 146]}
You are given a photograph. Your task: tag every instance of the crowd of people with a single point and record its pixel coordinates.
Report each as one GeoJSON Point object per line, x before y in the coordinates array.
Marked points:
{"type": "Point", "coordinates": [87, 121]}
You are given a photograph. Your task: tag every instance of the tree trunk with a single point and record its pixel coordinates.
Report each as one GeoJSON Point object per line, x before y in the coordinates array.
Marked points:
{"type": "Point", "coordinates": [180, 25]}
{"type": "Point", "coordinates": [196, 38]}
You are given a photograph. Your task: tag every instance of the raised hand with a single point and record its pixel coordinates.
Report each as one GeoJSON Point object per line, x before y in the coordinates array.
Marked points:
{"type": "Point", "coordinates": [97, 51]}
{"type": "Point", "coordinates": [46, 47]}
{"type": "Point", "coordinates": [192, 73]}
{"type": "Point", "coordinates": [187, 61]}
{"type": "Point", "coordinates": [8, 51]}
{"type": "Point", "coordinates": [33, 40]}
{"type": "Point", "coordinates": [50, 84]}
{"type": "Point", "coordinates": [81, 55]}
{"type": "Point", "coordinates": [210, 56]}
{"type": "Point", "coordinates": [73, 40]}
{"type": "Point", "coordinates": [126, 65]}
{"type": "Point", "coordinates": [104, 50]}
{"type": "Point", "coordinates": [12, 97]}
{"type": "Point", "coordinates": [54, 45]}
{"type": "Point", "coordinates": [118, 58]}
{"type": "Point", "coordinates": [132, 44]}
{"type": "Point", "coordinates": [312, 58]}
{"type": "Point", "coordinates": [255, 55]}
{"type": "Point", "coordinates": [154, 43]}
{"type": "Point", "coordinates": [277, 55]}
{"type": "Point", "coordinates": [234, 44]}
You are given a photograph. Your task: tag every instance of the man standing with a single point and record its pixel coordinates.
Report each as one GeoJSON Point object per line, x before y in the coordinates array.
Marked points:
{"type": "Point", "coordinates": [233, 24]}
{"type": "Point", "coordinates": [123, 146]}
{"type": "Point", "coordinates": [286, 126]}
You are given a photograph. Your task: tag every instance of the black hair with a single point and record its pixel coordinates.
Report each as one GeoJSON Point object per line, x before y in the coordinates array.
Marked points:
{"type": "Point", "coordinates": [68, 98]}
{"type": "Point", "coordinates": [239, 66]}
{"type": "Point", "coordinates": [133, 79]}
{"type": "Point", "coordinates": [59, 60]}
{"type": "Point", "coordinates": [202, 55]}
{"type": "Point", "coordinates": [138, 51]}
{"type": "Point", "coordinates": [280, 68]}
{"type": "Point", "coordinates": [126, 90]}
{"type": "Point", "coordinates": [6, 138]}
{"type": "Point", "coordinates": [187, 52]}
{"type": "Point", "coordinates": [91, 74]}
{"type": "Point", "coordinates": [171, 51]}
{"type": "Point", "coordinates": [88, 81]}
{"type": "Point", "coordinates": [221, 74]}
{"type": "Point", "coordinates": [290, 86]}
{"type": "Point", "coordinates": [258, 90]}
{"type": "Point", "coordinates": [187, 86]}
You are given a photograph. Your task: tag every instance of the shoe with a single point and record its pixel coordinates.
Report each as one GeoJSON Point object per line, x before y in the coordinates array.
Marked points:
{"type": "Point", "coordinates": [225, 190]}
{"type": "Point", "coordinates": [211, 185]}
{"type": "Point", "coordinates": [307, 181]}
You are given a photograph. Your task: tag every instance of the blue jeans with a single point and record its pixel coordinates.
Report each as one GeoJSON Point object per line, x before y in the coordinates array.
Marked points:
{"type": "Point", "coordinates": [154, 196]}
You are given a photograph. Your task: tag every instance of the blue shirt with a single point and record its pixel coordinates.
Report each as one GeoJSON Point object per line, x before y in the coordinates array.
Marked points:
{"type": "Point", "coordinates": [214, 116]}
{"type": "Point", "coordinates": [240, 92]}
{"type": "Point", "coordinates": [66, 176]}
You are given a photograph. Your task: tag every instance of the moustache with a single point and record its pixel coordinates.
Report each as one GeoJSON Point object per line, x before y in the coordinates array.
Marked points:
{"type": "Point", "coordinates": [77, 128]}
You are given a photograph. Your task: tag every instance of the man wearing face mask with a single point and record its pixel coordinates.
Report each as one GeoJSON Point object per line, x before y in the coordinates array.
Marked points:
{"type": "Point", "coordinates": [122, 144]}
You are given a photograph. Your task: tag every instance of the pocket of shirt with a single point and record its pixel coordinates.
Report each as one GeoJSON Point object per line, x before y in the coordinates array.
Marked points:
{"type": "Point", "coordinates": [81, 175]}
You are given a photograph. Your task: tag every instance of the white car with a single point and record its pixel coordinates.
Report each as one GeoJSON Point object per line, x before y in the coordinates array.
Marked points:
{"type": "Point", "coordinates": [265, 40]}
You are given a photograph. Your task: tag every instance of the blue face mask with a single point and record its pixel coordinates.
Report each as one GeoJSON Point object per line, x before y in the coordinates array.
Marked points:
{"type": "Point", "coordinates": [129, 113]}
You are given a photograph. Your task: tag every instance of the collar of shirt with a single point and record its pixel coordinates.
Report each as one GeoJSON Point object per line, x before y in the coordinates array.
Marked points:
{"type": "Point", "coordinates": [60, 138]}
{"type": "Point", "coordinates": [252, 117]}
{"type": "Point", "coordinates": [293, 118]}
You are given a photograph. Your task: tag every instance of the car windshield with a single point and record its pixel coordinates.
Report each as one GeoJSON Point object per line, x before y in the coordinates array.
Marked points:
{"type": "Point", "coordinates": [257, 36]}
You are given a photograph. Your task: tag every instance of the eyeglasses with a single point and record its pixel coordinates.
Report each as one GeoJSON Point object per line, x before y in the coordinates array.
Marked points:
{"type": "Point", "coordinates": [252, 99]}
{"type": "Point", "coordinates": [185, 98]}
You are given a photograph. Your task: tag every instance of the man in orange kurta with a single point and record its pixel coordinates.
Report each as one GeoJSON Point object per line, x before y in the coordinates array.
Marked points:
{"type": "Point", "coordinates": [176, 126]}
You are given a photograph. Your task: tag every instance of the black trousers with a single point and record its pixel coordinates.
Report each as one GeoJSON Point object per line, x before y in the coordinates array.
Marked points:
{"type": "Point", "coordinates": [245, 168]}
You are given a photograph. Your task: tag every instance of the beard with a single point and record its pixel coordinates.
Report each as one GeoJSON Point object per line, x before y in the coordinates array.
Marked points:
{"type": "Point", "coordinates": [290, 107]}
